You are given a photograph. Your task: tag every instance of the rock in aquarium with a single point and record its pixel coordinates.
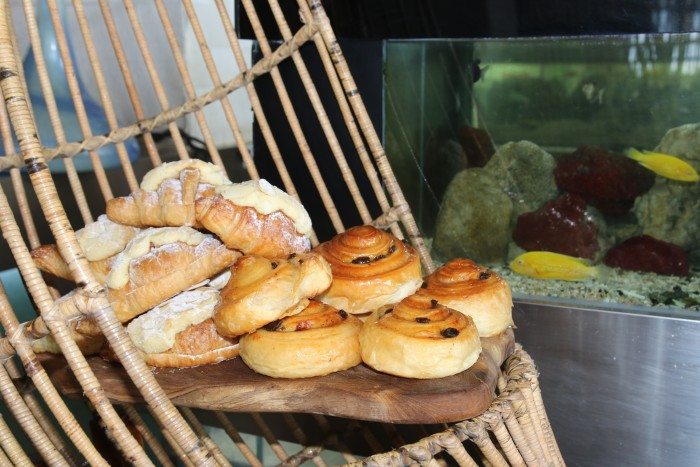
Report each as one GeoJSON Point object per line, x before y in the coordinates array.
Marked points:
{"type": "Point", "coordinates": [671, 209]}
{"type": "Point", "coordinates": [648, 254]}
{"type": "Point", "coordinates": [524, 171]}
{"type": "Point", "coordinates": [474, 220]}
{"type": "Point", "coordinates": [561, 226]}
{"type": "Point", "coordinates": [610, 182]}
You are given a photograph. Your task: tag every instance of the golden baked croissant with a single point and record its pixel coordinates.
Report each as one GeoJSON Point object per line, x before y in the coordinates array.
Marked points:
{"type": "Point", "coordinates": [85, 333]}
{"type": "Point", "coordinates": [474, 290]}
{"type": "Point", "coordinates": [419, 338]}
{"type": "Point", "coordinates": [100, 241]}
{"type": "Point", "coordinates": [159, 263]}
{"type": "Point", "coordinates": [370, 268]}
{"type": "Point", "coordinates": [180, 332]}
{"type": "Point", "coordinates": [315, 342]}
{"type": "Point", "coordinates": [167, 195]}
{"type": "Point", "coordinates": [84, 330]}
{"type": "Point", "coordinates": [262, 290]}
{"type": "Point", "coordinates": [256, 218]}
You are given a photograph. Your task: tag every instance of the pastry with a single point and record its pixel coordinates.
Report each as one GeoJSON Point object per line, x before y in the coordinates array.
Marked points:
{"type": "Point", "coordinates": [180, 333]}
{"type": "Point", "coordinates": [261, 291]}
{"type": "Point", "coordinates": [474, 290]}
{"type": "Point", "coordinates": [100, 241]}
{"type": "Point", "coordinates": [315, 342]}
{"type": "Point", "coordinates": [83, 330]}
{"type": "Point", "coordinates": [419, 338]}
{"type": "Point", "coordinates": [371, 268]}
{"type": "Point", "coordinates": [167, 195]}
{"type": "Point", "coordinates": [256, 218]}
{"type": "Point", "coordinates": [85, 333]}
{"type": "Point", "coordinates": [158, 264]}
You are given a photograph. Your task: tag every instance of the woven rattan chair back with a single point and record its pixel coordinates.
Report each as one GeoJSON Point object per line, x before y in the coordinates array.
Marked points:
{"type": "Point", "coordinates": [514, 430]}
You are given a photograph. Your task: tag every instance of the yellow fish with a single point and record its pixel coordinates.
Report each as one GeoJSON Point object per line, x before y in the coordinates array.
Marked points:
{"type": "Point", "coordinates": [548, 265]}
{"type": "Point", "coordinates": [667, 166]}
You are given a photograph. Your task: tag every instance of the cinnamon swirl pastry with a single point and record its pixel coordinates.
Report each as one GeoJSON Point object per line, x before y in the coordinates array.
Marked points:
{"type": "Point", "coordinates": [180, 332]}
{"type": "Point", "coordinates": [100, 241]}
{"type": "Point", "coordinates": [315, 342]}
{"type": "Point", "coordinates": [160, 263]}
{"type": "Point", "coordinates": [167, 195]}
{"type": "Point", "coordinates": [262, 290]}
{"type": "Point", "coordinates": [419, 338]}
{"type": "Point", "coordinates": [256, 218]}
{"type": "Point", "coordinates": [474, 290]}
{"type": "Point", "coordinates": [371, 268]}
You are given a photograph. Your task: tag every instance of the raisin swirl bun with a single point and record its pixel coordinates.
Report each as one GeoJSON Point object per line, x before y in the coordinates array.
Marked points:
{"type": "Point", "coordinates": [371, 268]}
{"type": "Point", "coordinates": [261, 291]}
{"type": "Point", "coordinates": [315, 342]}
{"type": "Point", "coordinates": [474, 290]}
{"type": "Point", "coordinates": [419, 338]}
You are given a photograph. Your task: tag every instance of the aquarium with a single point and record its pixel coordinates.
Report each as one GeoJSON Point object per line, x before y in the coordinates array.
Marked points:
{"type": "Point", "coordinates": [568, 164]}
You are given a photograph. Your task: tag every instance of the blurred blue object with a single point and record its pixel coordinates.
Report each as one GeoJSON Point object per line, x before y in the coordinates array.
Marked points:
{"type": "Point", "coordinates": [17, 294]}
{"type": "Point", "coordinates": [64, 101]}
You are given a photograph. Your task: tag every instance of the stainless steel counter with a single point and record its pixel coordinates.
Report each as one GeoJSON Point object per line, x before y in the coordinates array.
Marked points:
{"type": "Point", "coordinates": [621, 388]}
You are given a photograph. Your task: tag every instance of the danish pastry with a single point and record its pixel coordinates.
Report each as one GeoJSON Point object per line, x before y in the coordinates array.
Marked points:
{"type": "Point", "coordinates": [371, 268]}
{"type": "Point", "coordinates": [180, 333]}
{"type": "Point", "coordinates": [315, 342]}
{"type": "Point", "coordinates": [474, 290]}
{"type": "Point", "coordinates": [419, 338]}
{"type": "Point", "coordinates": [100, 241]}
{"type": "Point", "coordinates": [261, 291]}
{"type": "Point", "coordinates": [167, 195]}
{"type": "Point", "coordinates": [159, 263]}
{"type": "Point", "coordinates": [257, 218]}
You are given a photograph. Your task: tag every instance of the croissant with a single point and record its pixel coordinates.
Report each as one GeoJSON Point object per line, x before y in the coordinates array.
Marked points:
{"type": "Point", "coordinates": [256, 218]}
{"type": "Point", "coordinates": [370, 268]}
{"type": "Point", "coordinates": [167, 195]}
{"type": "Point", "coordinates": [85, 333]}
{"type": "Point", "coordinates": [419, 338]}
{"type": "Point", "coordinates": [180, 332]}
{"type": "Point", "coordinates": [261, 291]}
{"type": "Point", "coordinates": [158, 264]}
{"type": "Point", "coordinates": [100, 242]}
{"type": "Point", "coordinates": [315, 342]}
{"type": "Point", "coordinates": [474, 290]}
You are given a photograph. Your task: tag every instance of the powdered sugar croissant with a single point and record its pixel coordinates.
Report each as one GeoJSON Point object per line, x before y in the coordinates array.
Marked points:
{"type": "Point", "coordinates": [180, 332]}
{"type": "Point", "coordinates": [100, 241]}
{"type": "Point", "coordinates": [161, 262]}
{"type": "Point", "coordinates": [257, 218]}
{"type": "Point", "coordinates": [168, 194]}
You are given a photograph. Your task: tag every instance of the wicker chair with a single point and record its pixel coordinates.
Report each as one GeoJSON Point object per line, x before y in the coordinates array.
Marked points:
{"type": "Point", "coordinates": [514, 430]}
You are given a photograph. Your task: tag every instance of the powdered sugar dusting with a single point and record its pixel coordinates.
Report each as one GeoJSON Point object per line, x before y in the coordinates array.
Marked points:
{"type": "Point", "coordinates": [155, 331]}
{"type": "Point", "coordinates": [104, 238]}
{"type": "Point", "coordinates": [208, 173]}
{"type": "Point", "coordinates": [266, 199]}
{"type": "Point", "coordinates": [141, 244]}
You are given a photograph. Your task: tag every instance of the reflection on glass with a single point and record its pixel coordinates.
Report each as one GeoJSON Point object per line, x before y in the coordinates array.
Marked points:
{"type": "Point", "coordinates": [569, 165]}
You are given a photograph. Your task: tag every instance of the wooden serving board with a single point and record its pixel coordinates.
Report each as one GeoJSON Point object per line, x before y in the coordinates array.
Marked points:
{"type": "Point", "coordinates": [359, 393]}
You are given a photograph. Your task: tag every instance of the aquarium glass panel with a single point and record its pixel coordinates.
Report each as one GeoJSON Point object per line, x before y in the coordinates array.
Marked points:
{"type": "Point", "coordinates": [567, 164]}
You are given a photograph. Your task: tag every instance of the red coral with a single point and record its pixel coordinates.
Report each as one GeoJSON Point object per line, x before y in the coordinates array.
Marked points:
{"type": "Point", "coordinates": [561, 226]}
{"type": "Point", "coordinates": [608, 181]}
{"type": "Point", "coordinates": [648, 254]}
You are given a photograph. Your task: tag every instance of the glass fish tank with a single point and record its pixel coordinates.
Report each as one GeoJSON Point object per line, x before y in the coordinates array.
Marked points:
{"type": "Point", "coordinates": [569, 165]}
